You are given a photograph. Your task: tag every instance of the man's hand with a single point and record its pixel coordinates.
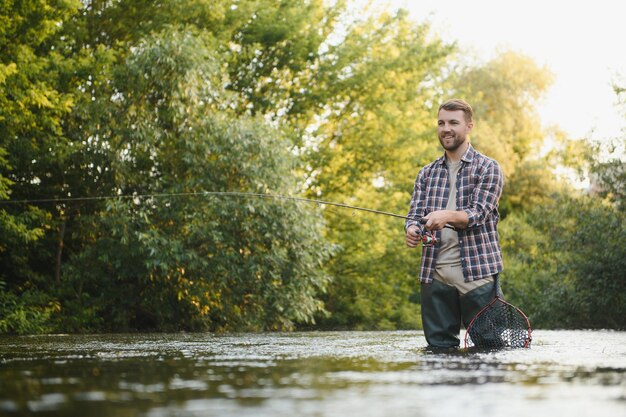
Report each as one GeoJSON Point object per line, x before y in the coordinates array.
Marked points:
{"type": "Point", "coordinates": [412, 236]}
{"type": "Point", "coordinates": [436, 220]}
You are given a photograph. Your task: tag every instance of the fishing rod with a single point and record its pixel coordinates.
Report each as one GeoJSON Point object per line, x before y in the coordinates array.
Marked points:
{"type": "Point", "coordinates": [428, 238]}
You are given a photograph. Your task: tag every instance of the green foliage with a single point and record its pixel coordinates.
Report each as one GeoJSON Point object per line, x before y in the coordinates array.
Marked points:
{"type": "Point", "coordinates": [141, 98]}
{"type": "Point", "coordinates": [609, 178]}
{"type": "Point", "coordinates": [199, 263]}
{"type": "Point", "coordinates": [32, 109]}
{"type": "Point", "coordinates": [26, 313]}
{"type": "Point", "coordinates": [504, 92]}
{"type": "Point", "coordinates": [371, 135]}
{"type": "Point", "coordinates": [565, 263]}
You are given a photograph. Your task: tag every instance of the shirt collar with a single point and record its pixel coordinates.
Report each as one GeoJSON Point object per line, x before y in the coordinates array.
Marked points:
{"type": "Point", "coordinates": [468, 156]}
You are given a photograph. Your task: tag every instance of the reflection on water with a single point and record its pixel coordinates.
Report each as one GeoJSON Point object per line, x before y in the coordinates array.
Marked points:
{"type": "Point", "coordinates": [574, 373]}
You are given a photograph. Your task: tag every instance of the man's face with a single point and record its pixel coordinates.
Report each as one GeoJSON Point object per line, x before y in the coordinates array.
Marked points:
{"type": "Point", "coordinates": [452, 129]}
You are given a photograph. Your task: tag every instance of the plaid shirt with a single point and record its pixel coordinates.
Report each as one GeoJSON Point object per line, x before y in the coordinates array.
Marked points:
{"type": "Point", "coordinates": [479, 186]}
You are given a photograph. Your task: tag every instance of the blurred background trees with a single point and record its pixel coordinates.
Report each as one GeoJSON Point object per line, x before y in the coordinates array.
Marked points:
{"type": "Point", "coordinates": [147, 99]}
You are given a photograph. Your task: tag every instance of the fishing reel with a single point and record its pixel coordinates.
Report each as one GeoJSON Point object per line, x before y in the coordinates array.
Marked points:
{"type": "Point", "coordinates": [428, 239]}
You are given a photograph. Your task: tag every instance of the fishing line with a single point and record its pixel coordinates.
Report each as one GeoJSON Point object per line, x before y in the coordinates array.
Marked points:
{"type": "Point", "coordinates": [200, 193]}
{"type": "Point", "coordinates": [428, 236]}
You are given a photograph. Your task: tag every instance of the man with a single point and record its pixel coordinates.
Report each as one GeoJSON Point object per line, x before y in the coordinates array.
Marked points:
{"type": "Point", "coordinates": [460, 189]}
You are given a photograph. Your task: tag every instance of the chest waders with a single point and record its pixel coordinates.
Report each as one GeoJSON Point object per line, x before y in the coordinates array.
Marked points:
{"type": "Point", "coordinates": [444, 310]}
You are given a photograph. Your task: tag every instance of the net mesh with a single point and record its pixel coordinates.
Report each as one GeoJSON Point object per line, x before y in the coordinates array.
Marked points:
{"type": "Point", "coordinates": [499, 325]}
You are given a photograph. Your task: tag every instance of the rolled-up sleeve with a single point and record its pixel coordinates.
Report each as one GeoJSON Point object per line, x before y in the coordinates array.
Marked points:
{"type": "Point", "coordinates": [485, 196]}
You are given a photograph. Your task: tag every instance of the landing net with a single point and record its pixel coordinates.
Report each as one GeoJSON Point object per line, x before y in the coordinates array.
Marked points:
{"type": "Point", "coordinates": [499, 325]}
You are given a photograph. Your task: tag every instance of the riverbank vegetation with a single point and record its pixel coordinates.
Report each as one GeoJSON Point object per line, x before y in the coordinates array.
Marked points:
{"type": "Point", "coordinates": [153, 103]}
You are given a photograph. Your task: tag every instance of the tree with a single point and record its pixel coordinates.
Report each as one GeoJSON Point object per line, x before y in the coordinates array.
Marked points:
{"type": "Point", "coordinates": [193, 263]}
{"type": "Point", "coordinates": [564, 263]}
{"type": "Point", "coordinates": [149, 99]}
{"type": "Point", "coordinates": [606, 161]}
{"type": "Point", "coordinates": [32, 110]}
{"type": "Point", "coordinates": [366, 143]}
{"type": "Point", "coordinates": [504, 93]}
{"type": "Point", "coordinates": [79, 149]}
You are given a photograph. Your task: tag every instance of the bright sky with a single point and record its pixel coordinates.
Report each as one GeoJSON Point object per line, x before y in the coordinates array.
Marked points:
{"type": "Point", "coordinates": [582, 42]}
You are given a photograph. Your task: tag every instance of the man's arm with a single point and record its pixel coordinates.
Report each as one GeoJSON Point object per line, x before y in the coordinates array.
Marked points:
{"type": "Point", "coordinates": [436, 220]}
{"type": "Point", "coordinates": [485, 196]}
{"type": "Point", "coordinates": [412, 227]}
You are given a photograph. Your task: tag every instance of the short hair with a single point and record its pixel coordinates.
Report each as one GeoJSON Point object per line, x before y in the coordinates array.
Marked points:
{"type": "Point", "coordinates": [458, 104]}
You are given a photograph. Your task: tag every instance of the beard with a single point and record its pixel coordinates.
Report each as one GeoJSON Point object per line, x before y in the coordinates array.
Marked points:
{"type": "Point", "coordinates": [452, 143]}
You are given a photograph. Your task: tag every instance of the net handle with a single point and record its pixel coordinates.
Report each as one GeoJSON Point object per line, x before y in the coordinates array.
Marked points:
{"type": "Point", "coordinates": [496, 286]}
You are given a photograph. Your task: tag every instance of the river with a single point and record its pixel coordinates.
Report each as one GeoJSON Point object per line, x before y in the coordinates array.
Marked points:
{"type": "Point", "coordinates": [564, 373]}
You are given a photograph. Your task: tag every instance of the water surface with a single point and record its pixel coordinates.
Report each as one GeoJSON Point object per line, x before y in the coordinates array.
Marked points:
{"type": "Point", "coordinates": [573, 373]}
